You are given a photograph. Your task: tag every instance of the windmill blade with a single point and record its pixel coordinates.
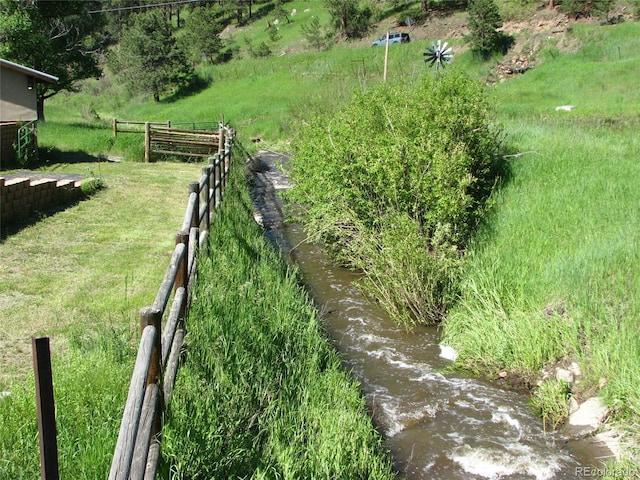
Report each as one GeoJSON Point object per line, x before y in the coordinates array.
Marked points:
{"type": "Point", "coordinates": [439, 53]}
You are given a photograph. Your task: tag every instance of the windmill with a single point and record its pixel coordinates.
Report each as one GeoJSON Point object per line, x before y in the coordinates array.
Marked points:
{"type": "Point", "coordinates": [438, 53]}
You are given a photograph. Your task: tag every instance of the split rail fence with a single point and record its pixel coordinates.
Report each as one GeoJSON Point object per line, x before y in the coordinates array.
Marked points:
{"type": "Point", "coordinates": [163, 138]}
{"type": "Point", "coordinates": [137, 451]}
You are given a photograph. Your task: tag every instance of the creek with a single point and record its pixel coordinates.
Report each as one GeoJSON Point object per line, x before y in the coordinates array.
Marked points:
{"type": "Point", "coordinates": [436, 425]}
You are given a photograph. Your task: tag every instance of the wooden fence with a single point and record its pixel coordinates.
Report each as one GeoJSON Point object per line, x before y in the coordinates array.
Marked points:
{"type": "Point", "coordinates": [127, 126]}
{"type": "Point", "coordinates": [174, 141]}
{"type": "Point", "coordinates": [163, 138]}
{"type": "Point", "coordinates": [137, 452]}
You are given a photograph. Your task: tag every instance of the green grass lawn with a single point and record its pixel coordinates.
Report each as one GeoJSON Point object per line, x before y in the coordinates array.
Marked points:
{"type": "Point", "coordinates": [95, 264]}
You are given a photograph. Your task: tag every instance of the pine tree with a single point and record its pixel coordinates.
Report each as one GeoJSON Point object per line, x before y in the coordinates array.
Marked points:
{"type": "Point", "coordinates": [149, 60]}
{"type": "Point", "coordinates": [484, 21]}
{"type": "Point", "coordinates": [203, 33]}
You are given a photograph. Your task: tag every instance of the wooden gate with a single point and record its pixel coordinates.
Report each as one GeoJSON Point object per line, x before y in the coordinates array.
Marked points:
{"type": "Point", "coordinates": [174, 141]}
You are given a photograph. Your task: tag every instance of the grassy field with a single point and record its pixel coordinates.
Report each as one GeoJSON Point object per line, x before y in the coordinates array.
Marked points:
{"type": "Point", "coordinates": [93, 265]}
{"type": "Point", "coordinates": [81, 276]}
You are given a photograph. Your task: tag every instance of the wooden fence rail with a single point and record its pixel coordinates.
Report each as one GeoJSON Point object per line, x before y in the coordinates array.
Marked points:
{"type": "Point", "coordinates": [175, 141]}
{"type": "Point", "coordinates": [129, 126]}
{"type": "Point", "coordinates": [132, 126]}
{"type": "Point", "coordinates": [137, 451]}
{"type": "Point", "coordinates": [202, 140]}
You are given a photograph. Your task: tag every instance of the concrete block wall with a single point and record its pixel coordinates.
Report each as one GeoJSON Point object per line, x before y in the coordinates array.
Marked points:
{"type": "Point", "coordinates": [20, 197]}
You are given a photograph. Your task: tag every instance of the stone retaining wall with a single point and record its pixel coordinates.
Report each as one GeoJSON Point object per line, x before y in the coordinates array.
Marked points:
{"type": "Point", "coordinates": [20, 197]}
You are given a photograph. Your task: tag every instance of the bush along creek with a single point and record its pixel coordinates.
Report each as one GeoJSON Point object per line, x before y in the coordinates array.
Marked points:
{"type": "Point", "coordinates": [394, 185]}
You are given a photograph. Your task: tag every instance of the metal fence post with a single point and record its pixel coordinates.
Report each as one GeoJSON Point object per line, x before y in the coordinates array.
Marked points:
{"type": "Point", "coordinates": [46, 408]}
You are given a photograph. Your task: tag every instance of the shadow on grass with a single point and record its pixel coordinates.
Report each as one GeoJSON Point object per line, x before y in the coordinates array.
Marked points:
{"type": "Point", "coordinates": [198, 85]}
{"type": "Point", "coordinates": [502, 176]}
{"type": "Point", "coordinates": [53, 156]}
{"type": "Point", "coordinates": [16, 226]}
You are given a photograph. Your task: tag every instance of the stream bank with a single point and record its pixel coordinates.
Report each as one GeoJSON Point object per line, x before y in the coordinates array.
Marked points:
{"type": "Point", "coordinates": [436, 425]}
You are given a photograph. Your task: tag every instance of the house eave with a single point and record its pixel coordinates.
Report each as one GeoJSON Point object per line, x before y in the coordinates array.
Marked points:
{"type": "Point", "coordinates": [38, 75]}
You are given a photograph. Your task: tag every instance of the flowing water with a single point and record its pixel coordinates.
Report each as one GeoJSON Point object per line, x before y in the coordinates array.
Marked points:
{"type": "Point", "coordinates": [436, 425]}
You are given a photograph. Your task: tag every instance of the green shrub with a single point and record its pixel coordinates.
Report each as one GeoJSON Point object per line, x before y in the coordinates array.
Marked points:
{"type": "Point", "coordinates": [317, 36]}
{"type": "Point", "coordinates": [400, 163]}
{"type": "Point", "coordinates": [92, 186]}
{"type": "Point", "coordinates": [261, 50]}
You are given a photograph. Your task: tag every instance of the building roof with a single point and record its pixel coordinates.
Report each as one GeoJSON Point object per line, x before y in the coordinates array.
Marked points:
{"type": "Point", "coordinates": [38, 75]}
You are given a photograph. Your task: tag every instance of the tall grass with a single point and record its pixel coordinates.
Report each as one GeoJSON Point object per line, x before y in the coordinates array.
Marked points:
{"type": "Point", "coordinates": [554, 275]}
{"type": "Point", "coordinates": [89, 397]}
{"type": "Point", "coordinates": [262, 393]}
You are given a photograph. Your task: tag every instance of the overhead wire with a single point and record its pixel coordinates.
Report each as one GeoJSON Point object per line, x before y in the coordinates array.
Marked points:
{"type": "Point", "coordinates": [139, 7]}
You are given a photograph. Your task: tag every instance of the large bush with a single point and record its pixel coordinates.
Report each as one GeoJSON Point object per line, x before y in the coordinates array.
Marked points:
{"type": "Point", "coordinates": [395, 182]}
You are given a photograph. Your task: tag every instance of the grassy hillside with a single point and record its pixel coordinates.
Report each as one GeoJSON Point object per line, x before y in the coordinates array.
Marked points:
{"type": "Point", "coordinates": [554, 275]}
{"type": "Point", "coordinates": [259, 97]}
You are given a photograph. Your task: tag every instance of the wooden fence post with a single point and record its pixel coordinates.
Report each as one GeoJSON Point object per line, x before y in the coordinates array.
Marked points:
{"type": "Point", "coordinates": [194, 187]}
{"type": "Point", "coordinates": [150, 420]}
{"type": "Point", "coordinates": [115, 128]}
{"type": "Point", "coordinates": [204, 196]}
{"type": "Point", "coordinates": [129, 426]}
{"type": "Point", "coordinates": [226, 156]}
{"type": "Point", "coordinates": [147, 142]}
{"type": "Point", "coordinates": [220, 137]}
{"type": "Point", "coordinates": [46, 408]}
{"type": "Point", "coordinates": [153, 316]}
{"type": "Point", "coordinates": [182, 278]}
{"type": "Point", "coordinates": [217, 181]}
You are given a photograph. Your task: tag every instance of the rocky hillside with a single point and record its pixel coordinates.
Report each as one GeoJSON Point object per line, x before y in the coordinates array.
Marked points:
{"type": "Point", "coordinates": [545, 28]}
